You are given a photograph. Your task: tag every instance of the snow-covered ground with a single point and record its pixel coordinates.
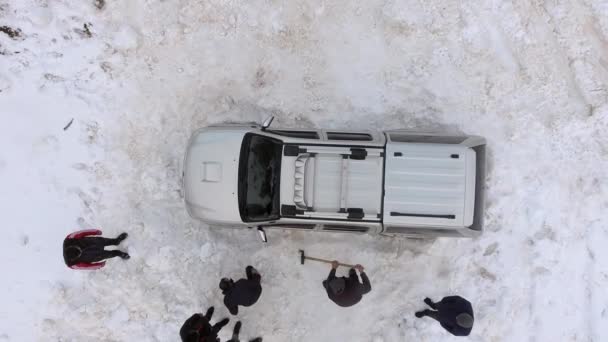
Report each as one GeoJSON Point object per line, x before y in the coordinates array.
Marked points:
{"type": "Point", "coordinates": [138, 76]}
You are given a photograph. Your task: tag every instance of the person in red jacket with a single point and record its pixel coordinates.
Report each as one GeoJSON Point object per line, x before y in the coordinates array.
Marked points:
{"type": "Point", "coordinates": [198, 328]}
{"type": "Point", "coordinates": [85, 250]}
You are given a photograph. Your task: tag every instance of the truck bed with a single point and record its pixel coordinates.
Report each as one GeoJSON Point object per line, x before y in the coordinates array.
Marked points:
{"type": "Point", "coordinates": [430, 185]}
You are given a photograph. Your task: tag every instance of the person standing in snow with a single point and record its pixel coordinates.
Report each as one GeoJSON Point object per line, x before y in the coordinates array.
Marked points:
{"type": "Point", "coordinates": [346, 291]}
{"type": "Point", "coordinates": [245, 292]}
{"type": "Point", "coordinates": [454, 313]}
{"type": "Point", "coordinates": [85, 250]}
{"type": "Point", "coordinates": [237, 330]}
{"type": "Point", "coordinates": [198, 328]}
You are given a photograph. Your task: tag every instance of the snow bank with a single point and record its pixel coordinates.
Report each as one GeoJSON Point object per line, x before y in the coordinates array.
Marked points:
{"type": "Point", "coordinates": [138, 77]}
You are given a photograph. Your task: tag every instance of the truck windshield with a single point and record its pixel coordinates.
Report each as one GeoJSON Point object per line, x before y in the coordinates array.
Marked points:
{"type": "Point", "coordinates": [259, 177]}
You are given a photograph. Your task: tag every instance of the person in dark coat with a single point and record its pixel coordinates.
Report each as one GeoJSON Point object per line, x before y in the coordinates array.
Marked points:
{"type": "Point", "coordinates": [245, 292]}
{"type": "Point", "coordinates": [198, 328]}
{"type": "Point", "coordinates": [454, 313]}
{"type": "Point", "coordinates": [85, 250]}
{"type": "Point", "coordinates": [237, 330]}
{"type": "Point", "coordinates": [346, 291]}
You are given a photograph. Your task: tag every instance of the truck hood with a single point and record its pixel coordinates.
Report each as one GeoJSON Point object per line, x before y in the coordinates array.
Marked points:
{"type": "Point", "coordinates": [210, 180]}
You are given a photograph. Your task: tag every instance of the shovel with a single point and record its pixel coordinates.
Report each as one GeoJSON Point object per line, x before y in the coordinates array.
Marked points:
{"type": "Point", "coordinates": [304, 257]}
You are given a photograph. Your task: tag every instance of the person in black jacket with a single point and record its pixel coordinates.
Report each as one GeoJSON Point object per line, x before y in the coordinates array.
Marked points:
{"type": "Point", "coordinates": [454, 313]}
{"type": "Point", "coordinates": [198, 328]}
{"type": "Point", "coordinates": [237, 330]}
{"type": "Point", "coordinates": [245, 292]}
{"type": "Point", "coordinates": [346, 291]}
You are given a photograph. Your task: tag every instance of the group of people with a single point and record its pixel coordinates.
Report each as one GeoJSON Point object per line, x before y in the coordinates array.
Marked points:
{"type": "Point", "coordinates": [244, 292]}
{"type": "Point", "coordinates": [86, 250]}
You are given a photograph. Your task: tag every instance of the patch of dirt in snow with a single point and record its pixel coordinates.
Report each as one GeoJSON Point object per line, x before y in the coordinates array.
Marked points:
{"type": "Point", "coordinates": [100, 4]}
{"type": "Point", "coordinates": [11, 32]}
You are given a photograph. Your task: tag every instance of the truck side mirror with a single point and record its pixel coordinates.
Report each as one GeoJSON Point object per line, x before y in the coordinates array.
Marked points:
{"type": "Point", "coordinates": [267, 122]}
{"type": "Point", "coordinates": [262, 234]}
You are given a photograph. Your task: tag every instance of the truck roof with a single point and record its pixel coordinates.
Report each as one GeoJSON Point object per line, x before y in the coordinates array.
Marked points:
{"type": "Point", "coordinates": [332, 182]}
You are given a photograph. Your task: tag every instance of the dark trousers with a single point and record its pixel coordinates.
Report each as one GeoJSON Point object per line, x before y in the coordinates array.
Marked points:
{"type": "Point", "coordinates": [93, 248]}
{"type": "Point", "coordinates": [215, 329]}
{"type": "Point", "coordinates": [237, 330]}
{"type": "Point", "coordinates": [101, 241]}
{"type": "Point", "coordinates": [209, 313]}
{"type": "Point", "coordinates": [433, 314]}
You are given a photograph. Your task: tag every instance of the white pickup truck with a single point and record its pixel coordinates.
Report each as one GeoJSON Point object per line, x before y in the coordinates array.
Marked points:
{"type": "Point", "coordinates": [396, 183]}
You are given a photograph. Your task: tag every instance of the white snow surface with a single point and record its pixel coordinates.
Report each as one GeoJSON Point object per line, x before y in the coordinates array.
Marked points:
{"type": "Point", "coordinates": [530, 76]}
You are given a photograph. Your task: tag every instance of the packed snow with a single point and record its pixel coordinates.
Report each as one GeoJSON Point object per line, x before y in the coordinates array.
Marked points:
{"type": "Point", "coordinates": [138, 77]}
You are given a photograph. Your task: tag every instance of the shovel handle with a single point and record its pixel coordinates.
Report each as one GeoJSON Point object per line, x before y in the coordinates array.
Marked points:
{"type": "Point", "coordinates": [328, 261]}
